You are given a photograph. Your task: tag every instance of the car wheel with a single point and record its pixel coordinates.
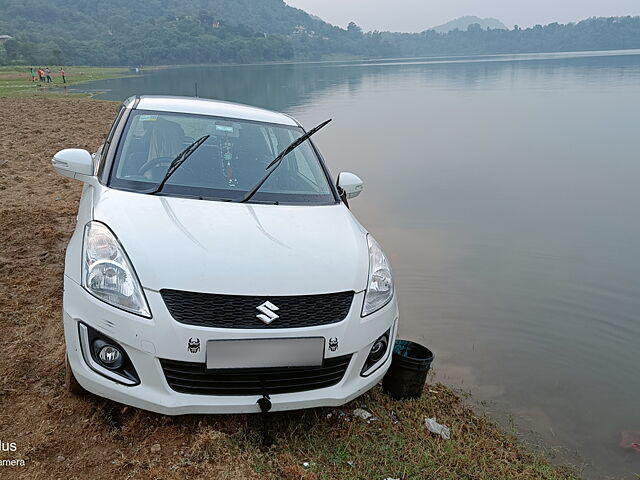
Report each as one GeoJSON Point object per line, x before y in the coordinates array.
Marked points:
{"type": "Point", "coordinates": [70, 382]}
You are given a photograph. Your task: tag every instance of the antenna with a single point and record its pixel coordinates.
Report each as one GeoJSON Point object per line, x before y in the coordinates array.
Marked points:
{"type": "Point", "coordinates": [196, 85]}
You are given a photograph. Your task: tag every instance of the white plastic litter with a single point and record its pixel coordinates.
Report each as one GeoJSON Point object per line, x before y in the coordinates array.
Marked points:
{"type": "Point", "coordinates": [363, 414]}
{"type": "Point", "coordinates": [394, 417]}
{"type": "Point", "coordinates": [435, 427]}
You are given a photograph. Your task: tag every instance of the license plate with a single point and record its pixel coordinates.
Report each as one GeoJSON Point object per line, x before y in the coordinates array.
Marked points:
{"type": "Point", "coordinates": [265, 352]}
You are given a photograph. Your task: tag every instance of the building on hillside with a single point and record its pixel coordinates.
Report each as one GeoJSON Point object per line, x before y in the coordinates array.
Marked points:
{"type": "Point", "coordinates": [4, 38]}
{"type": "Point", "coordinates": [302, 30]}
{"type": "Point", "coordinates": [299, 30]}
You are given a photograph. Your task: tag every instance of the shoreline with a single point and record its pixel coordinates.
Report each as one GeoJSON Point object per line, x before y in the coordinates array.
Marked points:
{"type": "Point", "coordinates": [15, 80]}
{"type": "Point", "coordinates": [97, 438]}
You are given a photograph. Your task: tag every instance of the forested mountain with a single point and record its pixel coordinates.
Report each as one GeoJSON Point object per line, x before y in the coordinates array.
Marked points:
{"type": "Point", "coordinates": [154, 31]}
{"type": "Point", "coordinates": [83, 19]}
{"type": "Point", "coordinates": [463, 23]}
{"type": "Point", "coordinates": [161, 32]}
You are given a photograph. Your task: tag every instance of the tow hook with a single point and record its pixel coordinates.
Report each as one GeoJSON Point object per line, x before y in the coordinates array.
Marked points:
{"type": "Point", "coordinates": [265, 405]}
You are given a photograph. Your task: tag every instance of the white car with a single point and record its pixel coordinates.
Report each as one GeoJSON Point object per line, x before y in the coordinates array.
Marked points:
{"type": "Point", "coordinates": [215, 267]}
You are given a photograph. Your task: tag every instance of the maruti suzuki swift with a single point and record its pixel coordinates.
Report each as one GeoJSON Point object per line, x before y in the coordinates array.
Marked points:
{"type": "Point", "coordinates": [216, 267]}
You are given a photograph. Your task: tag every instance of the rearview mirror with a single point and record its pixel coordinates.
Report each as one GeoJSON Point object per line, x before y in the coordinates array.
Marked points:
{"type": "Point", "coordinates": [350, 184]}
{"type": "Point", "coordinates": [72, 161]}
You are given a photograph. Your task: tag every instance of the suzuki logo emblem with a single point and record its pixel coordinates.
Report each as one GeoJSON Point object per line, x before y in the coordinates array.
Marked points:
{"type": "Point", "coordinates": [268, 310]}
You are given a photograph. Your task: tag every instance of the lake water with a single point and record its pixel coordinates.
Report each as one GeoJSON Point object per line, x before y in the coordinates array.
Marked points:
{"type": "Point", "coordinates": [505, 190]}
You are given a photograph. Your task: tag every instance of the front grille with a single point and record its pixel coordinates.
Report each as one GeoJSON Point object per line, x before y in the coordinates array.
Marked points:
{"type": "Point", "coordinates": [194, 378]}
{"type": "Point", "coordinates": [239, 311]}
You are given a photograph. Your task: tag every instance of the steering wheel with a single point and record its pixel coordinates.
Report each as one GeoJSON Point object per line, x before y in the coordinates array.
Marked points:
{"type": "Point", "coordinates": [149, 169]}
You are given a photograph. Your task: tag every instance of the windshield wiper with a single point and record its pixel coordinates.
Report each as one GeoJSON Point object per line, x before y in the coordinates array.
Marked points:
{"type": "Point", "coordinates": [278, 161]}
{"type": "Point", "coordinates": [177, 162]}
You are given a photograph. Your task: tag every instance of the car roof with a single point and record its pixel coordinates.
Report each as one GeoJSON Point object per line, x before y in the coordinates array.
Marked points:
{"type": "Point", "coordinates": [205, 106]}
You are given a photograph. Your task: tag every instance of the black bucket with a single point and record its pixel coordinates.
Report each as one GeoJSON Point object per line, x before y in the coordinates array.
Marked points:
{"type": "Point", "coordinates": [408, 371]}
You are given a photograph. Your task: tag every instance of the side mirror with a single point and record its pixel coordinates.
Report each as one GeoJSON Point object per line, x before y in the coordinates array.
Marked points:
{"type": "Point", "coordinates": [350, 184]}
{"type": "Point", "coordinates": [72, 161]}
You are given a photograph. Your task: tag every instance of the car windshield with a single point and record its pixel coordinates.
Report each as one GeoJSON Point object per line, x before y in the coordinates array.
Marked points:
{"type": "Point", "coordinates": [227, 165]}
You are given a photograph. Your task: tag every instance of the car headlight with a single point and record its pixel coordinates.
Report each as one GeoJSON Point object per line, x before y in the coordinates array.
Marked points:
{"type": "Point", "coordinates": [107, 273]}
{"type": "Point", "coordinates": [380, 287]}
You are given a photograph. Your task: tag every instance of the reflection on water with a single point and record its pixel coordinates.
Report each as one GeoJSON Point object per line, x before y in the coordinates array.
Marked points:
{"type": "Point", "coordinates": [505, 192]}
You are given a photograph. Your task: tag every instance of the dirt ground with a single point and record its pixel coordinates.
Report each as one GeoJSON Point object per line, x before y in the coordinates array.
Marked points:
{"type": "Point", "coordinates": [37, 215]}
{"type": "Point", "coordinates": [62, 436]}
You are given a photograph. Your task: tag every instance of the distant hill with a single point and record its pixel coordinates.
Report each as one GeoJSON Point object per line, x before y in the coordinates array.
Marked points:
{"type": "Point", "coordinates": [89, 18]}
{"type": "Point", "coordinates": [157, 31]}
{"type": "Point", "coordinates": [463, 23]}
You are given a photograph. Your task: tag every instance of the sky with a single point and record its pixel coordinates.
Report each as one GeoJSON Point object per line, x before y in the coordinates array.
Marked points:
{"type": "Point", "coordinates": [418, 15]}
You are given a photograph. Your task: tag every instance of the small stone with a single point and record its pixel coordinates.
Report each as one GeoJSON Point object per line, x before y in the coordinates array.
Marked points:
{"type": "Point", "coordinates": [155, 447]}
{"type": "Point", "coordinates": [306, 465]}
{"type": "Point", "coordinates": [60, 458]}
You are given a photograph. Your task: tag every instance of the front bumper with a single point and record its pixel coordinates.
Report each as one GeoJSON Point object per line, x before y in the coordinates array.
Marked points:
{"type": "Point", "coordinates": [146, 341]}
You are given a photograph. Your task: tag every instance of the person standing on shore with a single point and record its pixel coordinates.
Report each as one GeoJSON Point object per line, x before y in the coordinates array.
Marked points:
{"type": "Point", "coordinates": [33, 74]}
{"type": "Point", "coordinates": [64, 80]}
{"type": "Point", "coordinates": [47, 72]}
{"type": "Point", "coordinates": [40, 74]}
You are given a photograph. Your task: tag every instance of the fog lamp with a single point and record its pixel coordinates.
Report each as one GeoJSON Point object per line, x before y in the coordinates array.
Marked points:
{"type": "Point", "coordinates": [378, 351]}
{"type": "Point", "coordinates": [109, 355]}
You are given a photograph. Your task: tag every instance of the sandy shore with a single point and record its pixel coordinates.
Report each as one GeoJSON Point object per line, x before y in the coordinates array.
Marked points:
{"type": "Point", "coordinates": [62, 436]}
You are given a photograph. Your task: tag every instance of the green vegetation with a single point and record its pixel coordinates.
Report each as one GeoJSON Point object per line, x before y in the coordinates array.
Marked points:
{"type": "Point", "coordinates": [613, 33]}
{"type": "Point", "coordinates": [121, 32]}
{"type": "Point", "coordinates": [333, 443]}
{"type": "Point", "coordinates": [16, 81]}
{"type": "Point", "coordinates": [163, 32]}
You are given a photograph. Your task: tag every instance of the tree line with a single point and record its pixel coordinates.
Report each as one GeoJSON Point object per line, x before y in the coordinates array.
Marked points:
{"type": "Point", "coordinates": [164, 32]}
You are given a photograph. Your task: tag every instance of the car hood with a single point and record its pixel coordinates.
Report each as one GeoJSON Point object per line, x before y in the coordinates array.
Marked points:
{"type": "Point", "coordinates": [237, 248]}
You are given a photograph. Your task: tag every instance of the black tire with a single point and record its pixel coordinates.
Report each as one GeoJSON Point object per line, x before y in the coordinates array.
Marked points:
{"type": "Point", "coordinates": [70, 382]}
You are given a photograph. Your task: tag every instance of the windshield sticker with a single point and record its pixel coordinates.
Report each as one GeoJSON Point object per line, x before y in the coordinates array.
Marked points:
{"type": "Point", "coordinates": [224, 128]}
{"type": "Point", "coordinates": [148, 117]}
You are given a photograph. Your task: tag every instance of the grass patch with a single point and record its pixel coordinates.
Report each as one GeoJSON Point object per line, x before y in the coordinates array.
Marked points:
{"type": "Point", "coordinates": [15, 81]}
{"type": "Point", "coordinates": [333, 444]}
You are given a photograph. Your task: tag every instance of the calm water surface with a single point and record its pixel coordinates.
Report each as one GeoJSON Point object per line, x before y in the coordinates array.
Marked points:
{"type": "Point", "coordinates": [505, 191]}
